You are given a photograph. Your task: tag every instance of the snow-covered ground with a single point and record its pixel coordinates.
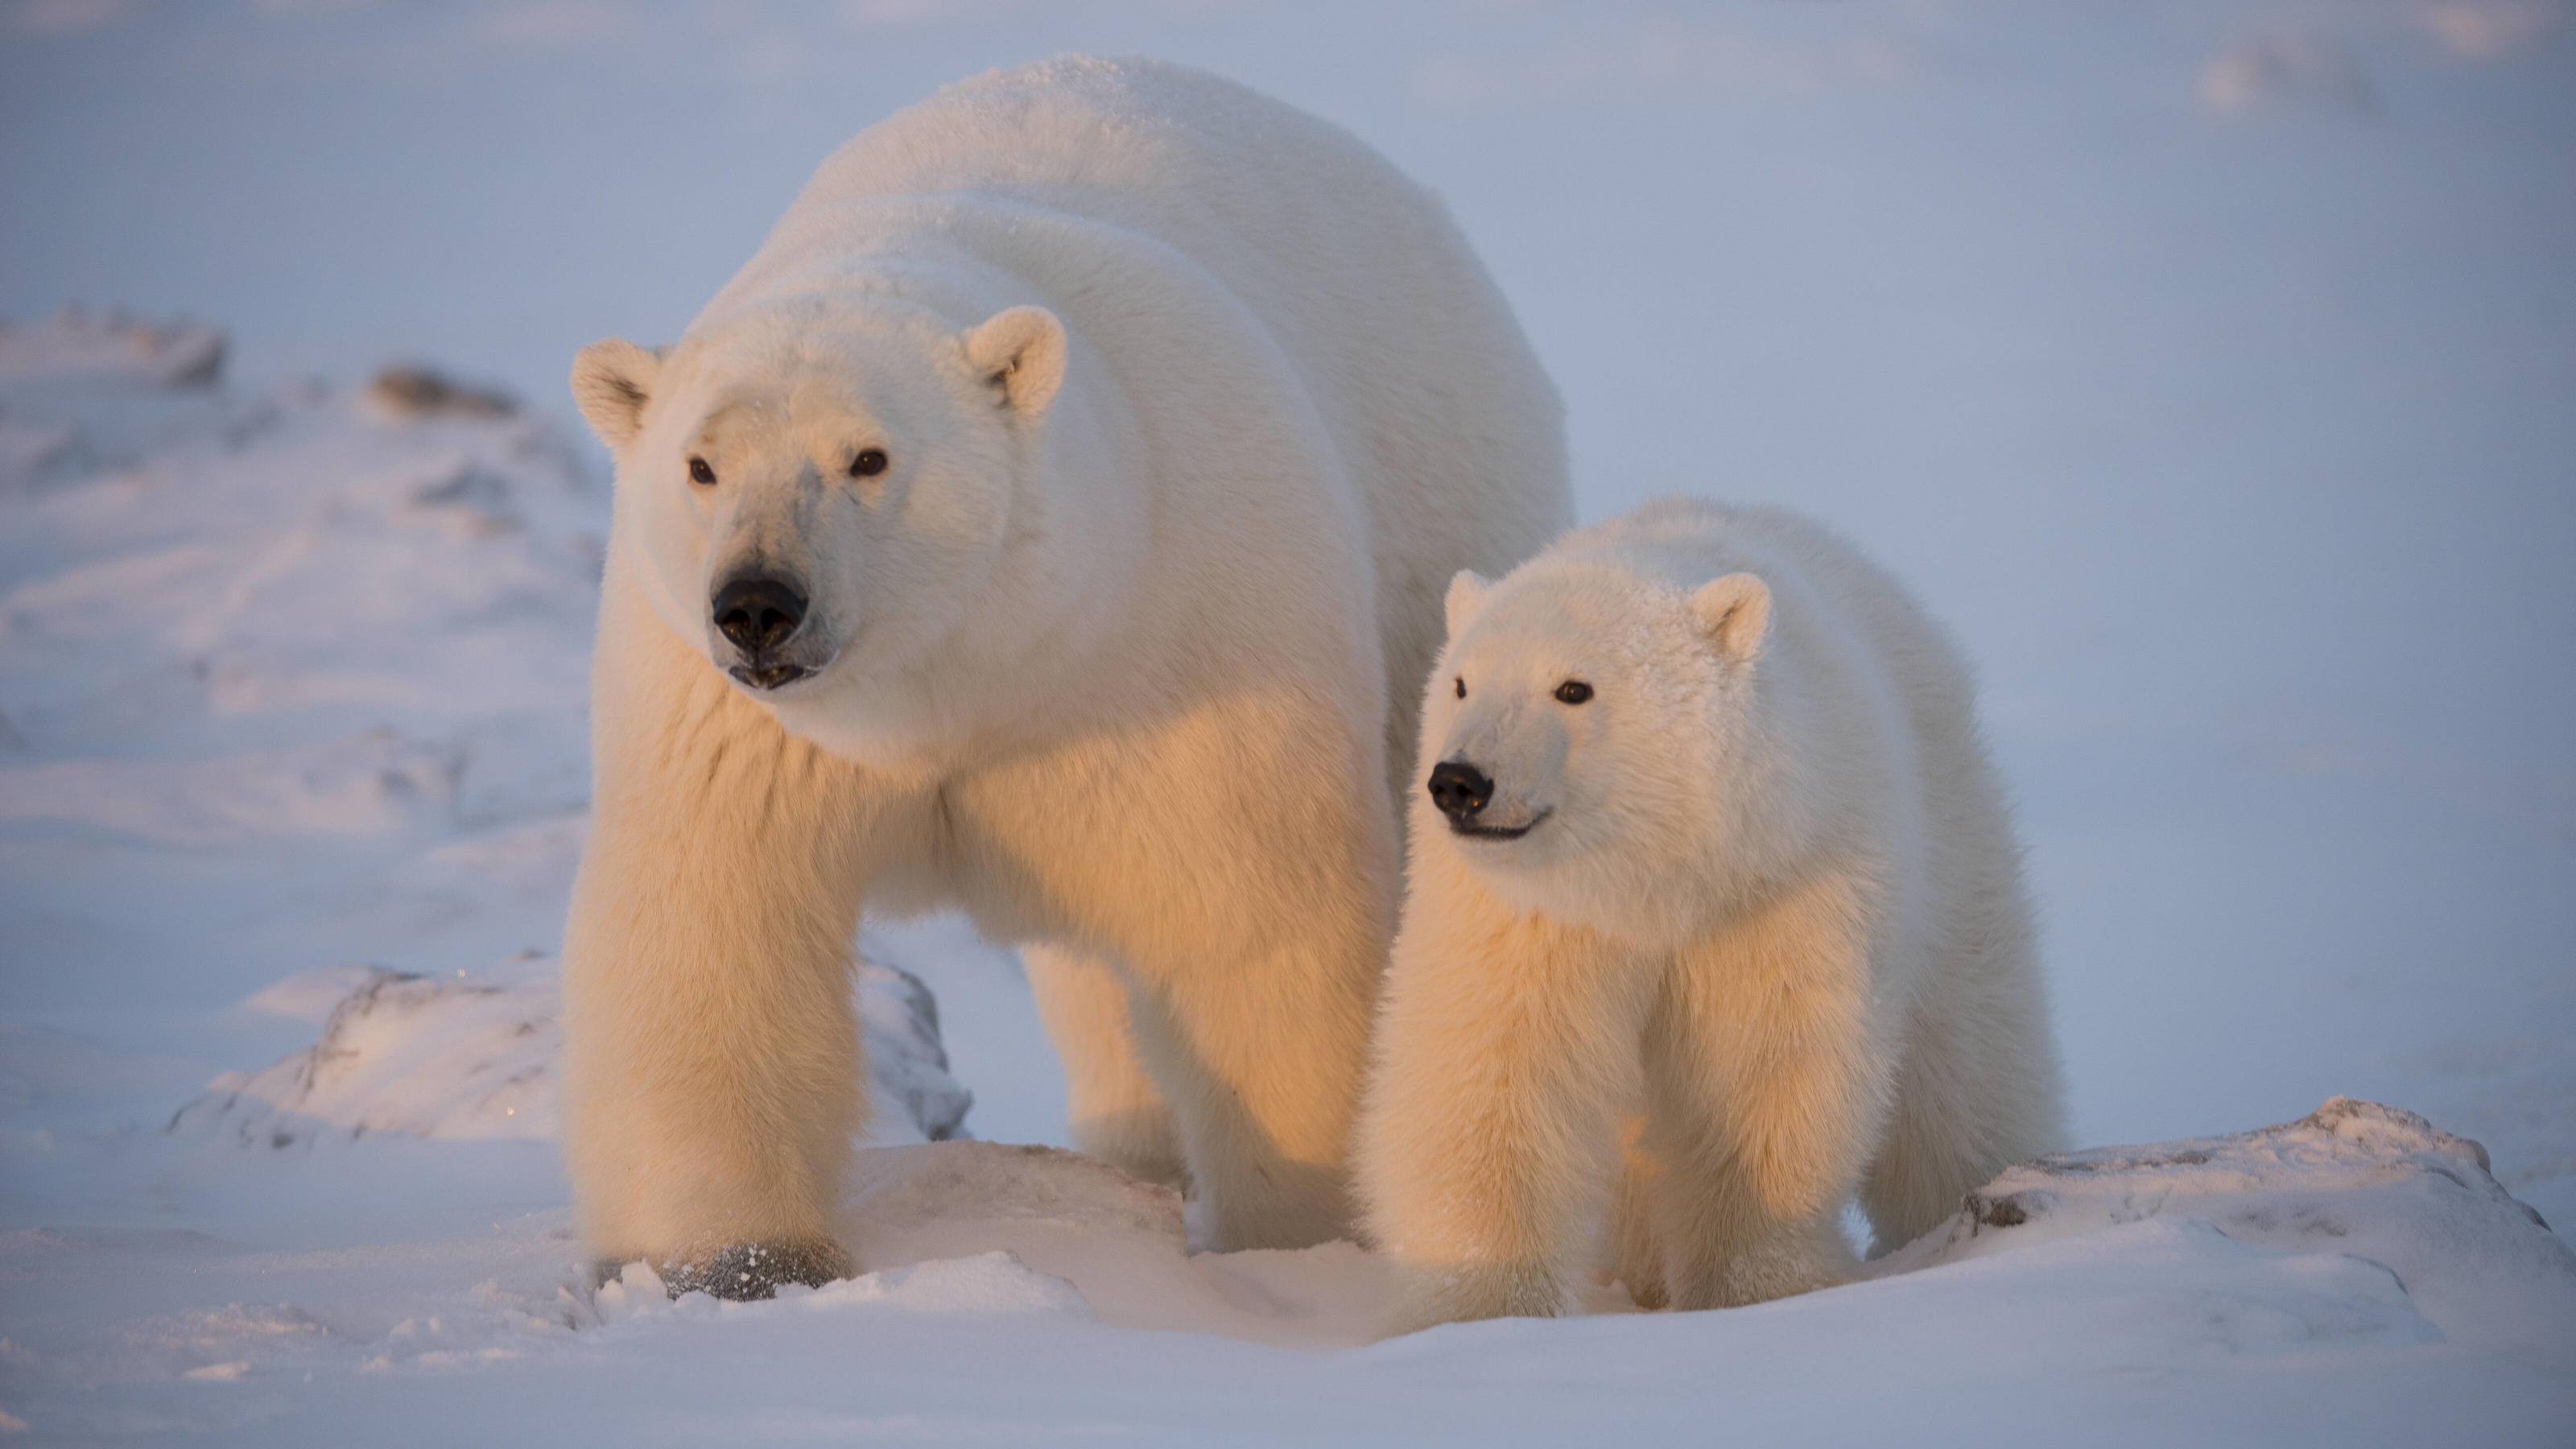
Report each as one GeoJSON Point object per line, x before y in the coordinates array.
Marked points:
{"type": "Point", "coordinates": [2207, 365]}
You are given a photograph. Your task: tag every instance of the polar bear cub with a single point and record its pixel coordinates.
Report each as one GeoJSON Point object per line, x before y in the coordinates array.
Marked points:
{"type": "Point", "coordinates": [1707, 844]}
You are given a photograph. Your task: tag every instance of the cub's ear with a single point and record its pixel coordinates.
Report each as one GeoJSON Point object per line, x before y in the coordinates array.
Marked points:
{"type": "Point", "coordinates": [1467, 589]}
{"type": "Point", "coordinates": [1021, 353]}
{"type": "Point", "coordinates": [1735, 613]}
{"type": "Point", "coordinates": [611, 382]}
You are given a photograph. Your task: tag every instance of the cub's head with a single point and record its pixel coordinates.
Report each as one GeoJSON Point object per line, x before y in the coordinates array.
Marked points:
{"type": "Point", "coordinates": [1583, 734]}
{"type": "Point", "coordinates": [819, 492]}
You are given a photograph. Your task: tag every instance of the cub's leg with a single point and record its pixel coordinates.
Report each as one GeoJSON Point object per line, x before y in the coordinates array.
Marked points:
{"type": "Point", "coordinates": [1115, 1111]}
{"type": "Point", "coordinates": [1766, 1094]}
{"type": "Point", "coordinates": [1636, 1256]}
{"type": "Point", "coordinates": [1506, 1047]}
{"type": "Point", "coordinates": [711, 1061]}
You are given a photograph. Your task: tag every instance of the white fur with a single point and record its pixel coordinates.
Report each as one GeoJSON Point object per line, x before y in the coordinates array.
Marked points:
{"type": "Point", "coordinates": [1191, 405]}
{"type": "Point", "coordinates": [1770, 913]}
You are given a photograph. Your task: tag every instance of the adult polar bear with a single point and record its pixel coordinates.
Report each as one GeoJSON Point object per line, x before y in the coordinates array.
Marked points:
{"type": "Point", "coordinates": [1052, 520]}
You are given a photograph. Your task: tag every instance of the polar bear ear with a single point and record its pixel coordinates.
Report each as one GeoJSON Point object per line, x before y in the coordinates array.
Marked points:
{"type": "Point", "coordinates": [1735, 613]}
{"type": "Point", "coordinates": [1467, 589]}
{"type": "Point", "coordinates": [611, 382]}
{"type": "Point", "coordinates": [1021, 353]}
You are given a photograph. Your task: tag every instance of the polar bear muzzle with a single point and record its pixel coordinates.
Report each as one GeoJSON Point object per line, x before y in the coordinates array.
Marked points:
{"type": "Point", "coordinates": [1462, 792]}
{"type": "Point", "coordinates": [759, 615]}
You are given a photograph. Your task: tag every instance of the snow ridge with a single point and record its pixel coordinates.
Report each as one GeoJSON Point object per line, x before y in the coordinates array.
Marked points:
{"type": "Point", "coordinates": [2376, 1184]}
{"type": "Point", "coordinates": [476, 1058]}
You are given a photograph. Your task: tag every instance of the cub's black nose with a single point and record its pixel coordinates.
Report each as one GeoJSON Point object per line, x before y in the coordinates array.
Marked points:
{"type": "Point", "coordinates": [758, 614]}
{"type": "Point", "coordinates": [1459, 789]}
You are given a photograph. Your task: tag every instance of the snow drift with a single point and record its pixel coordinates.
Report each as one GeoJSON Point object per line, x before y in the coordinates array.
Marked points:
{"type": "Point", "coordinates": [2356, 1180]}
{"type": "Point", "coordinates": [468, 1057]}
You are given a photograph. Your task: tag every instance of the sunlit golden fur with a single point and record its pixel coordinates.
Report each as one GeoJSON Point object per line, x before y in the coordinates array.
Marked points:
{"type": "Point", "coordinates": [1113, 1109]}
{"type": "Point", "coordinates": [1192, 406]}
{"type": "Point", "coordinates": [1771, 915]}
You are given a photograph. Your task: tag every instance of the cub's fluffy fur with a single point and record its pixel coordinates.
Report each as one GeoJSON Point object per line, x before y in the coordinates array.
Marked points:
{"type": "Point", "coordinates": [1744, 892]}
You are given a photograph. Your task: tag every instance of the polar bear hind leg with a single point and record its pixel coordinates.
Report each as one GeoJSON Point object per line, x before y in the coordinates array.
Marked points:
{"type": "Point", "coordinates": [1263, 1099]}
{"type": "Point", "coordinates": [1113, 1109]}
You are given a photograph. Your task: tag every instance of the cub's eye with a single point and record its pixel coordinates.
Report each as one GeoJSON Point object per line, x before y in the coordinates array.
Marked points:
{"type": "Point", "coordinates": [1573, 691]}
{"type": "Point", "coordinates": [869, 463]}
{"type": "Point", "coordinates": [1462, 686]}
{"type": "Point", "coordinates": [701, 474]}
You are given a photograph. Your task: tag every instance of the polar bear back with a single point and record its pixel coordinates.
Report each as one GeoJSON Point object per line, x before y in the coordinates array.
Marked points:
{"type": "Point", "coordinates": [1448, 431]}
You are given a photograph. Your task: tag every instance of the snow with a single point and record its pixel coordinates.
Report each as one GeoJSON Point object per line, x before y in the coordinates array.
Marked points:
{"type": "Point", "coordinates": [2377, 1186]}
{"type": "Point", "coordinates": [2203, 363]}
{"type": "Point", "coordinates": [474, 1057]}
{"type": "Point", "coordinates": [1056, 1302]}
{"type": "Point", "coordinates": [992, 1282]}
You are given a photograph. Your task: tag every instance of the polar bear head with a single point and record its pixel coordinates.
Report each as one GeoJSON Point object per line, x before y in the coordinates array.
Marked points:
{"type": "Point", "coordinates": [1599, 745]}
{"type": "Point", "coordinates": [821, 492]}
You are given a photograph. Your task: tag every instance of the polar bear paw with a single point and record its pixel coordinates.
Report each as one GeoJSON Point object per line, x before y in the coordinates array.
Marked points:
{"type": "Point", "coordinates": [746, 1271]}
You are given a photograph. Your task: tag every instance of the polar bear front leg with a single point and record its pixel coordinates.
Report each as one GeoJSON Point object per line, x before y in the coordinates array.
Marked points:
{"type": "Point", "coordinates": [1114, 1110]}
{"type": "Point", "coordinates": [711, 1069]}
{"type": "Point", "coordinates": [1506, 1046]}
{"type": "Point", "coordinates": [1767, 1091]}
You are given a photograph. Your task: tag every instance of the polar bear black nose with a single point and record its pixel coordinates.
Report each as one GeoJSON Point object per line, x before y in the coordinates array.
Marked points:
{"type": "Point", "coordinates": [757, 613]}
{"type": "Point", "coordinates": [1459, 789]}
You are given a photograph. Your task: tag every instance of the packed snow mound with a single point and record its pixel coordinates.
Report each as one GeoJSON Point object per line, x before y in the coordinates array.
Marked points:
{"type": "Point", "coordinates": [2178, 1289]}
{"type": "Point", "coordinates": [2362, 1227]}
{"type": "Point", "coordinates": [900, 1188]}
{"type": "Point", "coordinates": [2354, 1179]}
{"type": "Point", "coordinates": [1121, 1244]}
{"type": "Point", "coordinates": [475, 1057]}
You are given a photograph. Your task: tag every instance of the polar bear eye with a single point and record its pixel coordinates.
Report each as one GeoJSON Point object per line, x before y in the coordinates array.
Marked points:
{"type": "Point", "coordinates": [869, 463]}
{"type": "Point", "coordinates": [1573, 691]}
{"type": "Point", "coordinates": [701, 474]}
{"type": "Point", "coordinates": [1462, 686]}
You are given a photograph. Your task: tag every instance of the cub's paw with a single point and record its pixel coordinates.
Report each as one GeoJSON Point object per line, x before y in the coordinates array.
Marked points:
{"type": "Point", "coordinates": [754, 1270]}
